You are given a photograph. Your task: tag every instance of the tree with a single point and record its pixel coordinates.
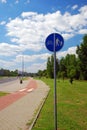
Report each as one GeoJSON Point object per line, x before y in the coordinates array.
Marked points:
{"type": "Point", "coordinates": [50, 66]}
{"type": "Point", "coordinates": [82, 55]}
{"type": "Point", "coordinates": [5, 72]}
{"type": "Point", "coordinates": [62, 68]}
{"type": "Point", "coordinates": [77, 68]}
{"type": "Point", "coordinates": [40, 73]}
{"type": "Point", "coordinates": [70, 64]}
{"type": "Point", "coordinates": [71, 73]}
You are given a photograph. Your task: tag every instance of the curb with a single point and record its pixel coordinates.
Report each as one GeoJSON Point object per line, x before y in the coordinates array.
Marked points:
{"type": "Point", "coordinates": [39, 110]}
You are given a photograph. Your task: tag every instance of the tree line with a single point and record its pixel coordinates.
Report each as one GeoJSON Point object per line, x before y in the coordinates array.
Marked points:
{"type": "Point", "coordinates": [6, 72]}
{"type": "Point", "coordinates": [71, 66]}
{"type": "Point", "coordinates": [15, 73]}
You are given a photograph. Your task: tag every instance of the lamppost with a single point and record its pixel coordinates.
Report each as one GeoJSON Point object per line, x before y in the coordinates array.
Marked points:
{"type": "Point", "coordinates": [22, 69]}
{"type": "Point", "coordinates": [22, 66]}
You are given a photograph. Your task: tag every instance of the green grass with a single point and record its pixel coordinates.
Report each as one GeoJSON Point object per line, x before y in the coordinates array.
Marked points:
{"type": "Point", "coordinates": [3, 94]}
{"type": "Point", "coordinates": [72, 106]}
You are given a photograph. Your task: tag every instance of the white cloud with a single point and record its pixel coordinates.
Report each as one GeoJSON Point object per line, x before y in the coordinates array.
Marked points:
{"type": "Point", "coordinates": [35, 67]}
{"type": "Point", "coordinates": [71, 50]}
{"type": "Point", "coordinates": [3, 23]}
{"type": "Point", "coordinates": [83, 31]}
{"type": "Point", "coordinates": [3, 1]}
{"type": "Point", "coordinates": [6, 64]}
{"type": "Point", "coordinates": [17, 1]}
{"type": "Point", "coordinates": [32, 58]}
{"type": "Point", "coordinates": [29, 31]}
{"type": "Point", "coordinates": [74, 7]}
{"type": "Point", "coordinates": [83, 12]}
{"type": "Point", "coordinates": [28, 1]}
{"type": "Point", "coordinates": [31, 28]}
{"type": "Point", "coordinates": [8, 50]}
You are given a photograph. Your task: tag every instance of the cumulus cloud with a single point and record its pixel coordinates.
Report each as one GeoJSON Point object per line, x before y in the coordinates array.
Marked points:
{"type": "Point", "coordinates": [8, 50]}
{"type": "Point", "coordinates": [83, 31]}
{"type": "Point", "coordinates": [3, 1]}
{"type": "Point", "coordinates": [74, 7]}
{"type": "Point", "coordinates": [3, 23]}
{"type": "Point", "coordinates": [17, 1]}
{"type": "Point", "coordinates": [32, 28]}
{"type": "Point", "coordinates": [29, 31]}
{"type": "Point", "coordinates": [36, 66]}
{"type": "Point", "coordinates": [32, 58]}
{"type": "Point", "coordinates": [27, 2]}
{"type": "Point", "coordinates": [6, 64]}
{"type": "Point", "coordinates": [71, 50]}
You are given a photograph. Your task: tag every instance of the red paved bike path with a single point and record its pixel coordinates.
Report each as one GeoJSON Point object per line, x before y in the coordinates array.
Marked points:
{"type": "Point", "coordinates": [11, 98]}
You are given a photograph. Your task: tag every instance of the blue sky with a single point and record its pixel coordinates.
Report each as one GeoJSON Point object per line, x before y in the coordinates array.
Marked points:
{"type": "Point", "coordinates": [25, 24]}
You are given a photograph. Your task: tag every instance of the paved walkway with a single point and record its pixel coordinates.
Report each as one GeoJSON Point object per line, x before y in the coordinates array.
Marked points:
{"type": "Point", "coordinates": [17, 112]}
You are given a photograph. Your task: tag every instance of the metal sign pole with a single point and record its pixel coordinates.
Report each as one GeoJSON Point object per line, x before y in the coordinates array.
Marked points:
{"type": "Point", "coordinates": [22, 66]}
{"type": "Point", "coordinates": [54, 42]}
{"type": "Point", "coordinates": [55, 92]}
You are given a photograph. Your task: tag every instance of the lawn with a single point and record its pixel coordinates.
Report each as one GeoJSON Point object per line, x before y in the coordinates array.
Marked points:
{"type": "Point", "coordinates": [71, 106]}
{"type": "Point", "coordinates": [3, 94]}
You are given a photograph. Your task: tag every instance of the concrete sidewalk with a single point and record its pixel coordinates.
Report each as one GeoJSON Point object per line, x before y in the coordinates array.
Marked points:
{"type": "Point", "coordinates": [17, 115]}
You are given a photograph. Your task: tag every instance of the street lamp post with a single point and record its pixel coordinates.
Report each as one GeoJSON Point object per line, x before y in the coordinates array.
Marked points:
{"type": "Point", "coordinates": [22, 66]}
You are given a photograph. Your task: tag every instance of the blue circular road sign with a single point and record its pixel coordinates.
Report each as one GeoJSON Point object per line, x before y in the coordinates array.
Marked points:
{"type": "Point", "coordinates": [54, 42]}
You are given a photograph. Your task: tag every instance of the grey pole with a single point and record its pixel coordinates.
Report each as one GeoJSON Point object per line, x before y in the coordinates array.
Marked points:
{"type": "Point", "coordinates": [55, 92]}
{"type": "Point", "coordinates": [22, 67]}
{"type": "Point", "coordinates": [54, 42]}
